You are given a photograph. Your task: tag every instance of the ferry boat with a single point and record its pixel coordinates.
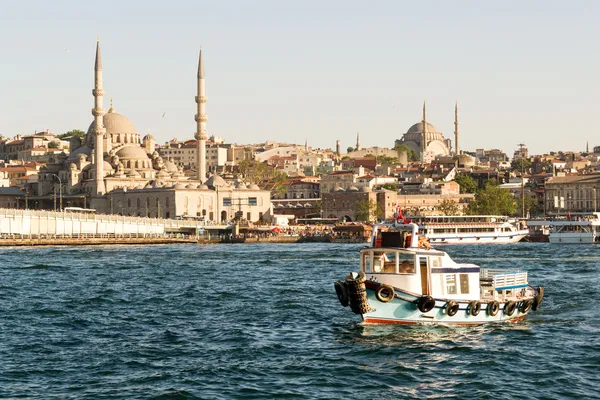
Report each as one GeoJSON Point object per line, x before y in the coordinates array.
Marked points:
{"type": "Point", "coordinates": [578, 228]}
{"type": "Point", "coordinates": [402, 280]}
{"type": "Point", "coordinates": [469, 229]}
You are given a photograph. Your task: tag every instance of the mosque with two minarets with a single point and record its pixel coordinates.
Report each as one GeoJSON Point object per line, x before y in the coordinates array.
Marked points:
{"type": "Point", "coordinates": [115, 171]}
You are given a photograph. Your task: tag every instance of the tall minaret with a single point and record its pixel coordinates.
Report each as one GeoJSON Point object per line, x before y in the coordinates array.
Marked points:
{"type": "Point", "coordinates": [424, 132]}
{"type": "Point", "coordinates": [201, 122]}
{"type": "Point", "coordinates": [456, 148]}
{"type": "Point", "coordinates": [357, 141]}
{"type": "Point", "coordinates": [306, 145]}
{"type": "Point", "coordinates": [98, 113]}
{"type": "Point", "coordinates": [338, 147]}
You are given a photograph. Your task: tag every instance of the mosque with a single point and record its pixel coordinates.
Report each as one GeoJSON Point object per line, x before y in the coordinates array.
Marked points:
{"type": "Point", "coordinates": [427, 141]}
{"type": "Point", "coordinates": [114, 170]}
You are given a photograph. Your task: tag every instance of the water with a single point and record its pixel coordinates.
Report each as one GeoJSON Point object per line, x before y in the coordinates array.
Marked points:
{"type": "Point", "coordinates": [263, 321]}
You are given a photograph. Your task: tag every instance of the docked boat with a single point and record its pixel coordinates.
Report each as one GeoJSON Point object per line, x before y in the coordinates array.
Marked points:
{"type": "Point", "coordinates": [470, 229]}
{"type": "Point", "coordinates": [402, 280]}
{"type": "Point", "coordinates": [579, 228]}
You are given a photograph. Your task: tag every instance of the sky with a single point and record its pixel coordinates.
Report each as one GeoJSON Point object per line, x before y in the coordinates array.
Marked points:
{"type": "Point", "coordinates": [320, 71]}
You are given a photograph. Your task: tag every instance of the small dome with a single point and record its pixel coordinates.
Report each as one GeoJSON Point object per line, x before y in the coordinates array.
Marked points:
{"type": "Point", "coordinates": [83, 150]}
{"type": "Point", "coordinates": [241, 186]}
{"type": "Point", "coordinates": [139, 187]}
{"type": "Point", "coordinates": [365, 189]}
{"type": "Point", "coordinates": [253, 186]}
{"type": "Point", "coordinates": [338, 189]}
{"type": "Point", "coordinates": [133, 174]}
{"type": "Point", "coordinates": [132, 153]}
{"type": "Point", "coordinates": [107, 167]}
{"type": "Point", "coordinates": [179, 186]}
{"type": "Point", "coordinates": [215, 181]}
{"type": "Point", "coordinates": [171, 166]}
{"type": "Point", "coordinates": [190, 186]}
{"type": "Point", "coordinates": [203, 187]}
{"type": "Point", "coordinates": [352, 189]}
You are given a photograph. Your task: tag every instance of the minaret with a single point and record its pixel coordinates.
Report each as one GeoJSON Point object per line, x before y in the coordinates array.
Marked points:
{"type": "Point", "coordinates": [587, 146]}
{"type": "Point", "coordinates": [98, 113]}
{"type": "Point", "coordinates": [201, 122]}
{"type": "Point", "coordinates": [306, 145]}
{"type": "Point", "coordinates": [424, 132]}
{"type": "Point", "coordinates": [456, 148]}
{"type": "Point", "coordinates": [338, 147]}
{"type": "Point", "coordinates": [357, 141]}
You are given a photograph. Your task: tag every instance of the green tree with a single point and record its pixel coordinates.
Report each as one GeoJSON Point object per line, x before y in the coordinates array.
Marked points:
{"type": "Point", "coordinates": [520, 164]}
{"type": "Point", "coordinates": [492, 201]}
{"type": "Point", "coordinates": [350, 149]}
{"type": "Point", "coordinates": [74, 132]}
{"type": "Point", "coordinates": [263, 175]}
{"type": "Point", "coordinates": [466, 183]}
{"type": "Point", "coordinates": [53, 145]}
{"type": "Point", "coordinates": [370, 155]}
{"type": "Point", "coordinates": [390, 186]}
{"type": "Point", "coordinates": [412, 155]}
{"type": "Point", "coordinates": [531, 205]}
{"type": "Point", "coordinates": [448, 207]}
{"type": "Point", "coordinates": [385, 160]}
{"type": "Point", "coordinates": [366, 211]}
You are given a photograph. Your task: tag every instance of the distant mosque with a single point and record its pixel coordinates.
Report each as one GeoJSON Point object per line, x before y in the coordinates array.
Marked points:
{"type": "Point", "coordinates": [114, 170]}
{"type": "Point", "coordinates": [427, 141]}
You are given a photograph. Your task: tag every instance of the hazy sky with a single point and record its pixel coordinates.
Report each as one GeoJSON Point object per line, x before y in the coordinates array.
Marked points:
{"type": "Point", "coordinates": [521, 71]}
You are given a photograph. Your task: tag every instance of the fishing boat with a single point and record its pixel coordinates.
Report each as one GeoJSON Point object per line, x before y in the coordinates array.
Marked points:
{"type": "Point", "coordinates": [470, 229]}
{"type": "Point", "coordinates": [402, 280]}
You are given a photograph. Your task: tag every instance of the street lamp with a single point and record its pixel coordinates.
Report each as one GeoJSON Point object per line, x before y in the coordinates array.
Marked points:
{"type": "Point", "coordinates": [59, 191]}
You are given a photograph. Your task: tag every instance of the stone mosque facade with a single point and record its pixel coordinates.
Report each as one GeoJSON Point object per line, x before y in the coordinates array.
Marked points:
{"type": "Point", "coordinates": [427, 141]}
{"type": "Point", "coordinates": [116, 171]}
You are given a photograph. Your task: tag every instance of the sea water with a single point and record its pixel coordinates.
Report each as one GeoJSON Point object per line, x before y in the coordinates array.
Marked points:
{"type": "Point", "coordinates": [255, 321]}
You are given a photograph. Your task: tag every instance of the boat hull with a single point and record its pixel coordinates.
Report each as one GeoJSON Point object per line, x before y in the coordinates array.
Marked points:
{"type": "Point", "coordinates": [504, 238]}
{"type": "Point", "coordinates": [402, 309]}
{"type": "Point", "coordinates": [572, 238]}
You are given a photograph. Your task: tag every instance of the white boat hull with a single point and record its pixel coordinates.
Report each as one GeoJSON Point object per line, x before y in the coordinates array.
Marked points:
{"type": "Point", "coordinates": [474, 238]}
{"type": "Point", "coordinates": [572, 238]}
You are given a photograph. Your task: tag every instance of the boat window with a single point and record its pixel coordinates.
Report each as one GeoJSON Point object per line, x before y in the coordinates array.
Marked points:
{"type": "Point", "coordinates": [451, 284]}
{"type": "Point", "coordinates": [366, 262]}
{"type": "Point", "coordinates": [464, 283]}
{"type": "Point", "coordinates": [384, 261]}
{"type": "Point", "coordinates": [406, 263]}
{"type": "Point", "coordinates": [436, 262]}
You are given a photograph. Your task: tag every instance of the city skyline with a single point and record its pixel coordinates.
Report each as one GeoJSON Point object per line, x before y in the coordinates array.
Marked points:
{"type": "Point", "coordinates": [521, 73]}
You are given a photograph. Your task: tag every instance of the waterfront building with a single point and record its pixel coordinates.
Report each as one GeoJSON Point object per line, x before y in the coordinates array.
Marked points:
{"type": "Point", "coordinates": [572, 193]}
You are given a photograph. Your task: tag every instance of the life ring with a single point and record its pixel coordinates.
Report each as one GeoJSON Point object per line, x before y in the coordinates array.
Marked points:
{"type": "Point", "coordinates": [342, 292]}
{"type": "Point", "coordinates": [408, 241]}
{"type": "Point", "coordinates": [510, 307]}
{"type": "Point", "coordinates": [526, 306]}
{"type": "Point", "coordinates": [537, 301]}
{"type": "Point", "coordinates": [426, 304]}
{"type": "Point", "coordinates": [474, 308]}
{"type": "Point", "coordinates": [389, 293]}
{"type": "Point", "coordinates": [451, 308]}
{"type": "Point", "coordinates": [493, 308]}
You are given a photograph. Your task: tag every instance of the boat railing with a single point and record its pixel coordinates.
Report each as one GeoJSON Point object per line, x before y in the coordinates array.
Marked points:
{"type": "Point", "coordinates": [501, 279]}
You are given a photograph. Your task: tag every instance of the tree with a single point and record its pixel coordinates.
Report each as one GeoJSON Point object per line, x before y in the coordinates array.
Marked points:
{"type": "Point", "coordinates": [390, 186]}
{"type": "Point", "coordinates": [370, 156]}
{"type": "Point", "coordinates": [53, 145]}
{"type": "Point", "coordinates": [520, 164]}
{"type": "Point", "coordinates": [350, 149]}
{"type": "Point", "coordinates": [466, 183]}
{"type": "Point", "coordinates": [448, 207]}
{"type": "Point", "coordinates": [412, 155]}
{"type": "Point", "coordinates": [366, 210]}
{"type": "Point", "coordinates": [531, 205]}
{"type": "Point", "coordinates": [492, 201]}
{"type": "Point", "coordinates": [74, 132]}
{"type": "Point", "coordinates": [263, 175]}
{"type": "Point", "coordinates": [385, 160]}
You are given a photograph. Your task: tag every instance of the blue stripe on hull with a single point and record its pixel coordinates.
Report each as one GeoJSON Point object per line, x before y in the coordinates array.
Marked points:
{"type": "Point", "coordinates": [403, 310]}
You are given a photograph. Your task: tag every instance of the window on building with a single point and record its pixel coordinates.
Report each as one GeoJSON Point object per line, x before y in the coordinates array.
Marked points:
{"type": "Point", "coordinates": [226, 201]}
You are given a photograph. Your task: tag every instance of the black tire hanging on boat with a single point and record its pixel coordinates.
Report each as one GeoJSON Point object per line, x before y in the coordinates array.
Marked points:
{"type": "Point", "coordinates": [510, 307]}
{"type": "Point", "coordinates": [526, 306]}
{"type": "Point", "coordinates": [342, 292]}
{"type": "Point", "coordinates": [537, 301]}
{"type": "Point", "coordinates": [451, 308]}
{"type": "Point", "coordinates": [492, 308]}
{"type": "Point", "coordinates": [474, 308]}
{"type": "Point", "coordinates": [426, 304]}
{"type": "Point", "coordinates": [390, 292]}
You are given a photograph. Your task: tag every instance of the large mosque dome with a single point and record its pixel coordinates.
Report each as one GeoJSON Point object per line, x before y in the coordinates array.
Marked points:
{"type": "Point", "coordinates": [118, 128]}
{"type": "Point", "coordinates": [418, 128]}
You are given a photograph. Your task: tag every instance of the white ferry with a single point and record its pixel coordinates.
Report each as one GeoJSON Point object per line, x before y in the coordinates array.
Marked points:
{"type": "Point", "coordinates": [469, 229]}
{"type": "Point", "coordinates": [401, 280]}
{"type": "Point", "coordinates": [577, 228]}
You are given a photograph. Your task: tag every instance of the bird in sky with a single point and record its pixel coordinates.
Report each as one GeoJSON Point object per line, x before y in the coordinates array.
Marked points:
{"type": "Point", "coordinates": [164, 115]}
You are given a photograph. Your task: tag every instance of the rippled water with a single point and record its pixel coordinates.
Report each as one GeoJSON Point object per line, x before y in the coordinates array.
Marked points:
{"type": "Point", "coordinates": [263, 321]}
